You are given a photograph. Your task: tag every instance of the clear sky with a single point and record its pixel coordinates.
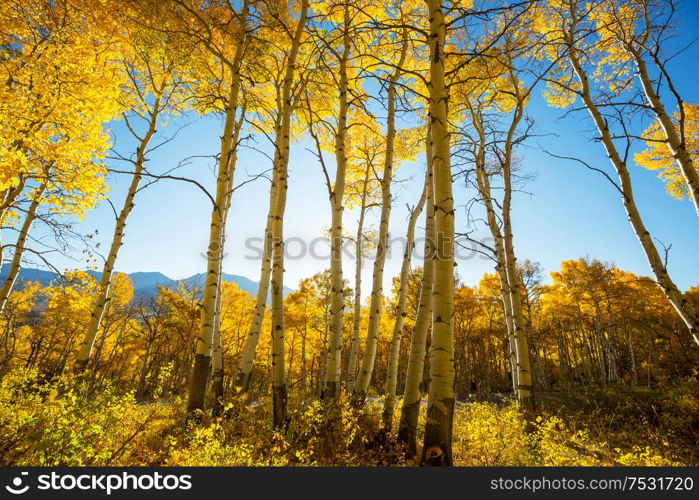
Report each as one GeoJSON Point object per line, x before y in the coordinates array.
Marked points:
{"type": "Point", "coordinates": [567, 211]}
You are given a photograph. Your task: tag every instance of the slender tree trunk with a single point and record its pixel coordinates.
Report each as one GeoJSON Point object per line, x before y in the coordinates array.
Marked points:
{"type": "Point", "coordinates": [226, 170]}
{"type": "Point", "coordinates": [632, 355]}
{"type": "Point", "coordinates": [407, 428]}
{"type": "Point", "coordinates": [683, 307]}
{"type": "Point", "coordinates": [217, 374]}
{"type": "Point", "coordinates": [375, 306]}
{"type": "Point", "coordinates": [282, 140]}
{"type": "Point", "coordinates": [484, 189]}
{"type": "Point", "coordinates": [16, 263]}
{"type": "Point", "coordinates": [105, 283]}
{"type": "Point", "coordinates": [247, 356]}
{"type": "Point", "coordinates": [357, 313]}
{"type": "Point", "coordinates": [304, 383]}
{"type": "Point", "coordinates": [141, 390]}
{"type": "Point", "coordinates": [217, 366]}
{"type": "Point", "coordinates": [333, 365]}
{"type": "Point", "coordinates": [396, 337]}
{"type": "Point", "coordinates": [525, 383]}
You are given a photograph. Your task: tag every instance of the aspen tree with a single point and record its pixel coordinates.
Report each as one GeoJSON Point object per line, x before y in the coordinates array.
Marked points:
{"type": "Point", "coordinates": [52, 109]}
{"type": "Point", "coordinates": [117, 241]}
{"type": "Point", "coordinates": [440, 409]}
{"type": "Point", "coordinates": [333, 366]}
{"type": "Point", "coordinates": [359, 258]}
{"type": "Point", "coordinates": [484, 190]}
{"type": "Point", "coordinates": [407, 429]}
{"type": "Point", "coordinates": [397, 335]}
{"type": "Point", "coordinates": [226, 169]}
{"type": "Point", "coordinates": [282, 140]}
{"type": "Point", "coordinates": [247, 356]}
{"type": "Point", "coordinates": [217, 367]}
{"type": "Point", "coordinates": [372, 337]}
{"type": "Point", "coordinates": [685, 309]}
{"type": "Point", "coordinates": [634, 31]}
{"type": "Point", "coordinates": [525, 387]}
{"type": "Point", "coordinates": [161, 83]}
{"type": "Point", "coordinates": [20, 245]}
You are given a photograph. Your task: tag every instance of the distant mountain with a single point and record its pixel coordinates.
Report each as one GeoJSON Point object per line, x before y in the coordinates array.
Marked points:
{"type": "Point", "coordinates": [144, 283]}
{"type": "Point", "coordinates": [243, 283]}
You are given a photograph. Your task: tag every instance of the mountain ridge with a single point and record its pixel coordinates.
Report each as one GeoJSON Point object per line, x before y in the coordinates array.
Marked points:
{"type": "Point", "coordinates": [145, 283]}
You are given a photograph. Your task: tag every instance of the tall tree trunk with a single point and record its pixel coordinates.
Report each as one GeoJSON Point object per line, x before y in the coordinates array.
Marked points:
{"type": "Point", "coordinates": [217, 374]}
{"type": "Point", "coordinates": [282, 140]}
{"type": "Point", "coordinates": [247, 356]}
{"type": "Point", "coordinates": [105, 283]}
{"type": "Point", "coordinates": [683, 307]}
{"type": "Point", "coordinates": [16, 263]}
{"type": "Point", "coordinates": [525, 383]}
{"type": "Point", "coordinates": [333, 367]}
{"type": "Point", "coordinates": [375, 306]}
{"type": "Point", "coordinates": [407, 428]}
{"type": "Point", "coordinates": [226, 170]}
{"type": "Point", "coordinates": [357, 313]}
{"type": "Point", "coordinates": [396, 337]}
{"type": "Point", "coordinates": [485, 192]}
{"type": "Point", "coordinates": [440, 409]}
{"type": "Point", "coordinates": [217, 366]}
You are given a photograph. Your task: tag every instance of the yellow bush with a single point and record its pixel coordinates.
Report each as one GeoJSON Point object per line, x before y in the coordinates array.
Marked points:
{"type": "Point", "coordinates": [560, 446]}
{"type": "Point", "coordinates": [487, 435]}
{"type": "Point", "coordinates": [64, 423]}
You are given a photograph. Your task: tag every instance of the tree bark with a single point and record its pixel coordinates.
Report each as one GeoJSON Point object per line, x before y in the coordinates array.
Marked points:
{"type": "Point", "coordinates": [676, 143]}
{"type": "Point", "coordinates": [282, 140]}
{"type": "Point", "coordinates": [440, 409]}
{"type": "Point", "coordinates": [357, 313]}
{"type": "Point", "coordinates": [372, 337]}
{"type": "Point", "coordinates": [247, 356]}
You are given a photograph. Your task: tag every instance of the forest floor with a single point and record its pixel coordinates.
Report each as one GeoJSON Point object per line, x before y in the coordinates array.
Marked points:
{"type": "Point", "coordinates": [66, 423]}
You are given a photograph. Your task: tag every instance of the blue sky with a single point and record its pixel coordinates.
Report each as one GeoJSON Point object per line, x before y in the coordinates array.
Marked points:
{"type": "Point", "coordinates": [567, 211]}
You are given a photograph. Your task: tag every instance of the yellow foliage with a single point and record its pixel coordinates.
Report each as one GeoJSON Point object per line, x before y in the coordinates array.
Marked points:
{"type": "Point", "coordinates": [658, 156]}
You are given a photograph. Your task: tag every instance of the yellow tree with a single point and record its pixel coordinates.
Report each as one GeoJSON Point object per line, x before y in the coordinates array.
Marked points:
{"type": "Point", "coordinates": [633, 33]}
{"type": "Point", "coordinates": [61, 85]}
{"type": "Point", "coordinates": [362, 192]}
{"type": "Point", "coordinates": [401, 309]}
{"type": "Point", "coordinates": [407, 427]}
{"type": "Point", "coordinates": [501, 97]}
{"type": "Point", "coordinates": [281, 146]}
{"type": "Point", "coordinates": [220, 30]}
{"type": "Point", "coordinates": [567, 27]}
{"type": "Point", "coordinates": [395, 62]}
{"type": "Point", "coordinates": [440, 409]}
{"type": "Point", "coordinates": [154, 63]}
{"type": "Point", "coordinates": [279, 73]}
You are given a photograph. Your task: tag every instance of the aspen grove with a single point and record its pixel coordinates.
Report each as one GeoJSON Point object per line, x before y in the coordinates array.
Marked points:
{"type": "Point", "coordinates": [419, 117]}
